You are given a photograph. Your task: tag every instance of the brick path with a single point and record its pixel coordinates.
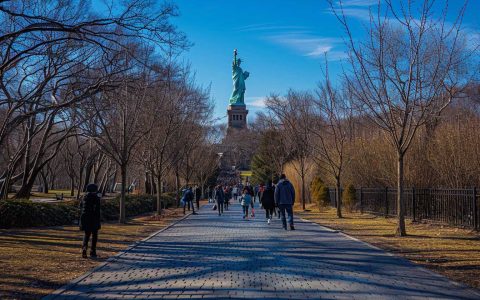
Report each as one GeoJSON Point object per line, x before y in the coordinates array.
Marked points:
{"type": "Point", "coordinates": [206, 256]}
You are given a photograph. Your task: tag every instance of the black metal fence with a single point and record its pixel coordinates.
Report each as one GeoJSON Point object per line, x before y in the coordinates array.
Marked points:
{"type": "Point", "coordinates": [458, 207]}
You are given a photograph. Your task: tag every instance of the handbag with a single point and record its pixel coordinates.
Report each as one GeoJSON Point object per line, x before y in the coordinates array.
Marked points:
{"type": "Point", "coordinates": [214, 207]}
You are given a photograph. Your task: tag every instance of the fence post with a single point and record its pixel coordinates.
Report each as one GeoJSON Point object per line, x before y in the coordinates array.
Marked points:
{"type": "Point", "coordinates": [361, 200]}
{"type": "Point", "coordinates": [475, 209]}
{"type": "Point", "coordinates": [414, 205]}
{"type": "Point", "coordinates": [386, 202]}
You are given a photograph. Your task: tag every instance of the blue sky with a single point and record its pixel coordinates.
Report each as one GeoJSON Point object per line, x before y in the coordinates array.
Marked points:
{"type": "Point", "coordinates": [281, 43]}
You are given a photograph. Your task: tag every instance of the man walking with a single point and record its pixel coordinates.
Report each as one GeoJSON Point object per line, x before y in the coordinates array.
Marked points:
{"type": "Point", "coordinates": [285, 198]}
{"type": "Point", "coordinates": [188, 198]}
{"type": "Point", "coordinates": [219, 198]}
{"type": "Point", "coordinates": [198, 195]}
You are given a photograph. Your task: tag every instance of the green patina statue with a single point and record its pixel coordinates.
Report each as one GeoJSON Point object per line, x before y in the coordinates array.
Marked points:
{"type": "Point", "coordinates": [238, 77]}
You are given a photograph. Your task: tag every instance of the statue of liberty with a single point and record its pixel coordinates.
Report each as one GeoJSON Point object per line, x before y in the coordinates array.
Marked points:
{"type": "Point", "coordinates": [238, 77]}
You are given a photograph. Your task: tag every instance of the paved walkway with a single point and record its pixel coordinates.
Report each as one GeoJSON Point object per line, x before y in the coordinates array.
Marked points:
{"type": "Point", "coordinates": [206, 256]}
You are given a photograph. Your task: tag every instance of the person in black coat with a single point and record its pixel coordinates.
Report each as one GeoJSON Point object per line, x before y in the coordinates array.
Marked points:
{"type": "Point", "coordinates": [90, 219]}
{"type": "Point", "coordinates": [198, 195]}
{"type": "Point", "coordinates": [268, 201]}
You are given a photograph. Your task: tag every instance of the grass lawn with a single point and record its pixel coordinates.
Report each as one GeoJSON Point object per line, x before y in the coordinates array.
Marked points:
{"type": "Point", "coordinates": [453, 252]}
{"type": "Point", "coordinates": [36, 261]}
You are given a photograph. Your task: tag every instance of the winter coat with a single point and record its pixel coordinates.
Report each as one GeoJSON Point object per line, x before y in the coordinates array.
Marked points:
{"type": "Point", "coordinates": [246, 200]}
{"type": "Point", "coordinates": [284, 193]}
{"type": "Point", "coordinates": [198, 194]}
{"type": "Point", "coordinates": [90, 212]}
{"type": "Point", "coordinates": [219, 195]}
{"type": "Point", "coordinates": [268, 198]}
{"type": "Point", "coordinates": [188, 196]}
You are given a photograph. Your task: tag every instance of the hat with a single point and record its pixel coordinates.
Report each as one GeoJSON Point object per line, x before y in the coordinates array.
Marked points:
{"type": "Point", "coordinates": [92, 188]}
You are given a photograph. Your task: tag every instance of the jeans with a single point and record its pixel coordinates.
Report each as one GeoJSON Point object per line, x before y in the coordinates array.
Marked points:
{"type": "Point", "coordinates": [245, 211]}
{"type": "Point", "coordinates": [189, 203]}
{"type": "Point", "coordinates": [86, 238]}
{"type": "Point", "coordinates": [288, 208]}
{"type": "Point", "coordinates": [220, 207]}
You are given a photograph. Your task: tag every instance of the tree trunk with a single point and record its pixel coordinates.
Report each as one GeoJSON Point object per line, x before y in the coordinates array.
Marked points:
{"type": "Point", "coordinates": [177, 187]}
{"type": "Point", "coordinates": [123, 169]}
{"type": "Point", "coordinates": [147, 184]}
{"type": "Point", "coordinates": [401, 231]}
{"type": "Point", "coordinates": [79, 185]}
{"type": "Point", "coordinates": [72, 186]}
{"type": "Point", "coordinates": [25, 191]}
{"type": "Point", "coordinates": [88, 174]}
{"type": "Point", "coordinates": [159, 195]}
{"type": "Point", "coordinates": [303, 190]}
{"type": "Point", "coordinates": [45, 182]}
{"type": "Point", "coordinates": [152, 185]}
{"type": "Point", "coordinates": [338, 198]}
{"type": "Point", "coordinates": [52, 180]}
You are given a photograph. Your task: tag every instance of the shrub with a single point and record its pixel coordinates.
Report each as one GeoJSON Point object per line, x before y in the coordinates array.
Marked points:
{"type": "Point", "coordinates": [324, 196]}
{"type": "Point", "coordinates": [320, 193]}
{"type": "Point", "coordinates": [25, 213]}
{"type": "Point", "coordinates": [349, 198]}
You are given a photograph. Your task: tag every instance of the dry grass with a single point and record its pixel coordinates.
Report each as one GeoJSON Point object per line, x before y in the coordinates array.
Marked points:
{"type": "Point", "coordinates": [36, 261]}
{"type": "Point", "coordinates": [453, 252]}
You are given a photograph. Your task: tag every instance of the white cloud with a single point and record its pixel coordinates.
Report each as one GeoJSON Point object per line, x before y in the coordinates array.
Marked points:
{"type": "Point", "coordinates": [309, 45]}
{"type": "Point", "coordinates": [256, 101]}
{"type": "Point", "coordinates": [358, 9]}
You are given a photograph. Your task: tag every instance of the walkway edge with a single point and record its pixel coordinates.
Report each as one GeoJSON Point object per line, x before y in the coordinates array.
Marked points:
{"type": "Point", "coordinates": [459, 284]}
{"type": "Point", "coordinates": [112, 258]}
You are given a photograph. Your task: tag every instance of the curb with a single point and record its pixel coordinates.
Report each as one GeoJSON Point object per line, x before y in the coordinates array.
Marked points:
{"type": "Point", "coordinates": [75, 281]}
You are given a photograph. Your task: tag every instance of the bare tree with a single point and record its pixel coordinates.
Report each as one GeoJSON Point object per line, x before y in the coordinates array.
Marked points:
{"type": "Point", "coordinates": [295, 116]}
{"type": "Point", "coordinates": [406, 72]}
{"type": "Point", "coordinates": [331, 129]}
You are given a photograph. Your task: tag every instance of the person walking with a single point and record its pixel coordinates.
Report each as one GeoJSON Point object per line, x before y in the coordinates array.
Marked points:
{"type": "Point", "coordinates": [284, 199]}
{"type": "Point", "coordinates": [90, 219]}
{"type": "Point", "coordinates": [219, 198]}
{"type": "Point", "coordinates": [245, 201]}
{"type": "Point", "coordinates": [198, 195]}
{"type": "Point", "coordinates": [188, 199]}
{"type": "Point", "coordinates": [268, 201]}
{"type": "Point", "coordinates": [235, 192]}
{"type": "Point", "coordinates": [228, 196]}
{"type": "Point", "coordinates": [210, 192]}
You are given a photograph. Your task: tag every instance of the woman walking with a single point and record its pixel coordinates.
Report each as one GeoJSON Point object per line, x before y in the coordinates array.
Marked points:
{"type": "Point", "coordinates": [228, 195]}
{"type": "Point", "coordinates": [90, 219]}
{"type": "Point", "coordinates": [245, 201]}
{"type": "Point", "coordinates": [268, 201]}
{"type": "Point", "coordinates": [219, 198]}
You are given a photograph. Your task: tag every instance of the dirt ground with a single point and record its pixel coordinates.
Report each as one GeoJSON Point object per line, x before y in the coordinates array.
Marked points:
{"type": "Point", "coordinates": [37, 261]}
{"type": "Point", "coordinates": [453, 252]}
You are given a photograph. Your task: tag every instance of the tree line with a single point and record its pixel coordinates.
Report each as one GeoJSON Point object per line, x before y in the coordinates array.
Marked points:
{"type": "Point", "coordinates": [93, 95]}
{"type": "Point", "coordinates": [404, 111]}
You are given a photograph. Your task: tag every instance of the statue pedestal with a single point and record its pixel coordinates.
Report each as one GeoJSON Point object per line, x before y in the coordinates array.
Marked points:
{"type": "Point", "coordinates": [237, 116]}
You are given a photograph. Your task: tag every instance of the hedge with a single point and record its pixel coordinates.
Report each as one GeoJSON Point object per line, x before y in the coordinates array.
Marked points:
{"type": "Point", "coordinates": [25, 213]}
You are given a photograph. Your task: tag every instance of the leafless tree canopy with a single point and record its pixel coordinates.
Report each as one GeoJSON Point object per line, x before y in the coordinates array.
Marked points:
{"type": "Point", "coordinates": [89, 92]}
